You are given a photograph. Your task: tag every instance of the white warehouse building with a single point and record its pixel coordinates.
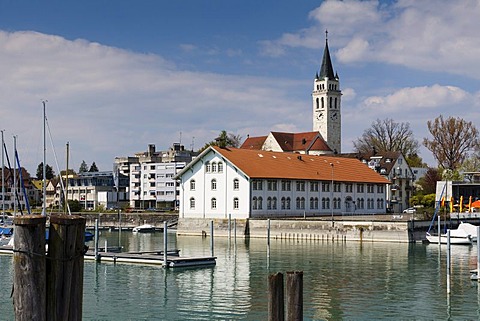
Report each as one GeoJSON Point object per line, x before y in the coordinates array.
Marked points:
{"type": "Point", "coordinates": [255, 183]}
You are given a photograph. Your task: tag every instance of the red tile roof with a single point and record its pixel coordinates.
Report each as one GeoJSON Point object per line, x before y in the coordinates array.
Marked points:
{"type": "Point", "coordinates": [290, 142]}
{"type": "Point", "coordinates": [263, 164]}
{"type": "Point", "coordinates": [254, 142]}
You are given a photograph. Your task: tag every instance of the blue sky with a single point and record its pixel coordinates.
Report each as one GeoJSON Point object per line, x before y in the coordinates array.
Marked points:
{"type": "Point", "coordinates": [119, 75]}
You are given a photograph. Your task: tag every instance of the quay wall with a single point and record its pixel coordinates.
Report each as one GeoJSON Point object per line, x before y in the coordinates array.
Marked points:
{"type": "Point", "coordinates": [127, 220]}
{"type": "Point", "coordinates": [345, 230]}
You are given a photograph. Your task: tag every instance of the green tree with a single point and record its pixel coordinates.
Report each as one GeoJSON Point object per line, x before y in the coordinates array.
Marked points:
{"type": "Point", "coordinates": [83, 167]}
{"type": "Point", "coordinates": [452, 141]}
{"type": "Point", "coordinates": [93, 168]}
{"type": "Point", "coordinates": [387, 136]}
{"type": "Point", "coordinates": [414, 160]}
{"type": "Point", "coordinates": [49, 173]}
{"type": "Point", "coordinates": [74, 206]}
{"type": "Point", "coordinates": [224, 140]}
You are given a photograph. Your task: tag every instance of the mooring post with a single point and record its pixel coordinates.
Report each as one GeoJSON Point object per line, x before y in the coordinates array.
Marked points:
{"type": "Point", "coordinates": [268, 238]}
{"type": "Point", "coordinates": [294, 295]}
{"type": "Point", "coordinates": [211, 238]}
{"type": "Point", "coordinates": [66, 247]}
{"type": "Point", "coordinates": [439, 231]}
{"type": "Point", "coordinates": [448, 261]}
{"type": "Point", "coordinates": [165, 247]}
{"type": "Point", "coordinates": [29, 266]}
{"type": "Point", "coordinates": [97, 257]}
{"type": "Point", "coordinates": [106, 246]}
{"type": "Point", "coordinates": [478, 253]}
{"type": "Point", "coordinates": [275, 297]}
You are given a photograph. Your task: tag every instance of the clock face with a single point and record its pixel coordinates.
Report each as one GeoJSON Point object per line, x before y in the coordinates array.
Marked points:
{"type": "Point", "coordinates": [333, 116]}
{"type": "Point", "coordinates": [320, 115]}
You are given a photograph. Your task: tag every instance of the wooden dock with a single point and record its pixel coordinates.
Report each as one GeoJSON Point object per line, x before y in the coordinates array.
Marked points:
{"type": "Point", "coordinates": [152, 258]}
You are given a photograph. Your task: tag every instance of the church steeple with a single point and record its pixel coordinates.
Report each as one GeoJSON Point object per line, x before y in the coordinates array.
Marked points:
{"type": "Point", "coordinates": [326, 70]}
{"type": "Point", "coordinates": [326, 98]}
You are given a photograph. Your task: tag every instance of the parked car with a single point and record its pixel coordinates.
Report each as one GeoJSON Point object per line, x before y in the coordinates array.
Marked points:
{"type": "Point", "coordinates": [410, 210]}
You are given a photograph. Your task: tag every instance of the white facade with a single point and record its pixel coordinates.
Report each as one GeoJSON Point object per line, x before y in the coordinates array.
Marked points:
{"type": "Point", "coordinates": [213, 187]}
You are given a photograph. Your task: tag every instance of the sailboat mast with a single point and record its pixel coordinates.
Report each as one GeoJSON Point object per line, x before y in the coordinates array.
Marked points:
{"type": "Point", "coordinates": [44, 182]}
{"type": "Point", "coordinates": [3, 177]}
{"type": "Point", "coordinates": [14, 178]}
{"type": "Point", "coordinates": [66, 179]}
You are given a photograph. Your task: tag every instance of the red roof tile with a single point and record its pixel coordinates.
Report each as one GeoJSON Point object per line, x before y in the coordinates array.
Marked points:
{"type": "Point", "coordinates": [263, 164]}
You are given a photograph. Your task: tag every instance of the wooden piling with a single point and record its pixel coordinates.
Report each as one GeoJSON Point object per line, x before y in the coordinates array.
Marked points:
{"type": "Point", "coordinates": [65, 268]}
{"type": "Point", "coordinates": [294, 295]}
{"type": "Point", "coordinates": [29, 278]}
{"type": "Point", "coordinates": [275, 297]}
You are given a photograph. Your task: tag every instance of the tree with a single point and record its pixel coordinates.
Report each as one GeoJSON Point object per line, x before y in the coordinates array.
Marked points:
{"type": "Point", "coordinates": [93, 168]}
{"type": "Point", "coordinates": [387, 136]}
{"type": "Point", "coordinates": [452, 140]}
{"type": "Point", "coordinates": [414, 160]}
{"type": "Point", "coordinates": [83, 167]}
{"type": "Point", "coordinates": [428, 183]}
{"type": "Point", "coordinates": [224, 140]}
{"type": "Point", "coordinates": [49, 173]}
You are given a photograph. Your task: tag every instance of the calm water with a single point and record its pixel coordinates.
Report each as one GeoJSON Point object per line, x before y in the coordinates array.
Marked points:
{"type": "Point", "coordinates": [342, 281]}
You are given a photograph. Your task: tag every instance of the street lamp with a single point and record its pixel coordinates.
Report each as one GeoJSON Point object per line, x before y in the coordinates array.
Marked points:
{"type": "Point", "coordinates": [331, 193]}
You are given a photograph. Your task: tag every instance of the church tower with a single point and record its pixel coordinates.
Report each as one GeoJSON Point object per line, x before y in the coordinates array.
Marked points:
{"type": "Point", "coordinates": [326, 98]}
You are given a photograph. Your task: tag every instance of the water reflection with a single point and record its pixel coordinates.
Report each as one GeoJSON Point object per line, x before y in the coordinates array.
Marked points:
{"type": "Point", "coordinates": [351, 281]}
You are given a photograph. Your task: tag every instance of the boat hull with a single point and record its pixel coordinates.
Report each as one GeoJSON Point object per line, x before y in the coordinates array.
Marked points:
{"type": "Point", "coordinates": [463, 240]}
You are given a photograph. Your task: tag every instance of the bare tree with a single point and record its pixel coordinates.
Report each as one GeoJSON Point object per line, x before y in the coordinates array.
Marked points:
{"type": "Point", "coordinates": [388, 136]}
{"type": "Point", "coordinates": [452, 140]}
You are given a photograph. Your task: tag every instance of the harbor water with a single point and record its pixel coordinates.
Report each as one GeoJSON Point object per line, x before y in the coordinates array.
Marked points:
{"type": "Point", "coordinates": [341, 281]}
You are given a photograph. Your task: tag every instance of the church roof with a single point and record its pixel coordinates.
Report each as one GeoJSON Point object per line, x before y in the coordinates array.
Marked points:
{"type": "Point", "coordinates": [290, 142]}
{"type": "Point", "coordinates": [326, 70]}
{"type": "Point", "coordinates": [254, 142]}
{"type": "Point", "coordinates": [264, 164]}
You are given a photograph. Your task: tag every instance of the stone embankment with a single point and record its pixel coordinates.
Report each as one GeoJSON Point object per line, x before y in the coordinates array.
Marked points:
{"type": "Point", "coordinates": [128, 220]}
{"type": "Point", "coordinates": [367, 230]}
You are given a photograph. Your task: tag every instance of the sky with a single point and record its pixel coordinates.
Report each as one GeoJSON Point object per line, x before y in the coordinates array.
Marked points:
{"type": "Point", "coordinates": [117, 76]}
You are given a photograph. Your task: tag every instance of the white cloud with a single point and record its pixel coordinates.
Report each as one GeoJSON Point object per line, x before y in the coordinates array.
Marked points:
{"type": "Point", "coordinates": [110, 102]}
{"type": "Point", "coordinates": [429, 35]}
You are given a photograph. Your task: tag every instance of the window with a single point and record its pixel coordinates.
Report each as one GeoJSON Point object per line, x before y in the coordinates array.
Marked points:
{"type": "Point", "coordinates": [236, 184]}
{"type": "Point", "coordinates": [274, 203]}
{"type": "Point", "coordinates": [317, 102]}
{"type": "Point", "coordinates": [300, 203]}
{"type": "Point", "coordinates": [360, 188]}
{"type": "Point", "coordinates": [260, 203]}
{"type": "Point", "coordinates": [254, 203]}
{"type": "Point", "coordinates": [325, 186]}
{"type": "Point", "coordinates": [287, 203]}
{"type": "Point", "coordinates": [192, 203]}
{"type": "Point", "coordinates": [360, 203]}
{"type": "Point", "coordinates": [213, 203]}
{"type": "Point", "coordinates": [325, 203]}
{"type": "Point", "coordinates": [380, 203]}
{"type": "Point", "coordinates": [214, 167]}
{"type": "Point", "coordinates": [235, 203]}
{"type": "Point", "coordinates": [214, 184]}
{"type": "Point", "coordinates": [192, 185]}
{"type": "Point", "coordinates": [313, 186]}
{"type": "Point", "coordinates": [282, 203]}
{"type": "Point", "coordinates": [380, 188]}
{"type": "Point", "coordinates": [286, 185]}
{"type": "Point", "coordinates": [220, 167]}
{"type": "Point", "coordinates": [257, 185]}
{"type": "Point", "coordinates": [314, 203]}
{"type": "Point", "coordinates": [370, 188]}
{"type": "Point", "coordinates": [271, 185]}
{"type": "Point", "coordinates": [337, 187]}
{"type": "Point", "coordinates": [301, 186]}
{"type": "Point", "coordinates": [349, 188]}
{"type": "Point", "coordinates": [370, 203]}
{"type": "Point", "coordinates": [336, 203]}
{"type": "Point", "coordinates": [269, 203]}
{"type": "Point", "coordinates": [207, 167]}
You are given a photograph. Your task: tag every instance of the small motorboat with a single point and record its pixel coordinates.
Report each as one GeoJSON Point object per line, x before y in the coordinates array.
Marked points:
{"type": "Point", "coordinates": [145, 228]}
{"type": "Point", "coordinates": [469, 229]}
{"type": "Point", "coordinates": [457, 236]}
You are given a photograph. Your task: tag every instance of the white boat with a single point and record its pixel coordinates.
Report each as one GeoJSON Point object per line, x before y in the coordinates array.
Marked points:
{"type": "Point", "coordinates": [457, 236]}
{"type": "Point", "coordinates": [469, 229]}
{"type": "Point", "coordinates": [145, 228]}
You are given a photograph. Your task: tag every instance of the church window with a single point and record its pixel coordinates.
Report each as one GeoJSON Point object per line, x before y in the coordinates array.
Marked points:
{"type": "Point", "coordinates": [322, 103]}
{"type": "Point", "coordinates": [317, 103]}
{"type": "Point", "coordinates": [335, 102]}
{"type": "Point", "coordinates": [331, 102]}
{"type": "Point", "coordinates": [214, 203]}
{"type": "Point", "coordinates": [192, 203]}
{"type": "Point", "coordinates": [235, 203]}
{"type": "Point", "coordinates": [214, 184]}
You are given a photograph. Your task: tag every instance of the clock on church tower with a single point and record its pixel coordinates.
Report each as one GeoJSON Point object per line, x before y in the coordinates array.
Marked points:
{"type": "Point", "coordinates": [326, 98]}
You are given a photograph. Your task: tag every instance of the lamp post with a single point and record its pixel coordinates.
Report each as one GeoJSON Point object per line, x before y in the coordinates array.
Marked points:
{"type": "Point", "coordinates": [331, 193]}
